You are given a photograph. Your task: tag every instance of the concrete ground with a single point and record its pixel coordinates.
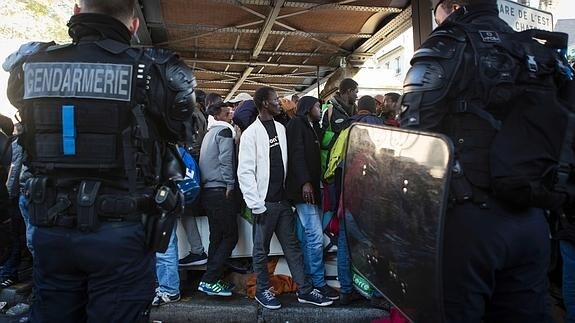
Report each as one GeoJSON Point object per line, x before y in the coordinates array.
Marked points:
{"type": "Point", "coordinates": [199, 307]}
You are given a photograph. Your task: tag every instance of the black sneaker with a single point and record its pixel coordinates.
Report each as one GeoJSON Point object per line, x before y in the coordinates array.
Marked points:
{"type": "Point", "coordinates": [8, 281]}
{"type": "Point", "coordinates": [328, 292]}
{"type": "Point", "coordinates": [193, 259]}
{"type": "Point", "coordinates": [348, 298]}
{"type": "Point", "coordinates": [162, 298]}
{"type": "Point", "coordinates": [314, 297]}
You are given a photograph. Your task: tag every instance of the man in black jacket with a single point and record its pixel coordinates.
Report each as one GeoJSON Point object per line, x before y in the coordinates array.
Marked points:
{"type": "Point", "coordinates": [495, 257]}
{"type": "Point", "coordinates": [303, 187]}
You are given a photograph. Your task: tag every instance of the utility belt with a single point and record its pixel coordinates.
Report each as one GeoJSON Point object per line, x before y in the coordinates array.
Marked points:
{"type": "Point", "coordinates": [82, 206]}
{"type": "Point", "coordinates": [71, 221]}
{"type": "Point", "coordinates": [463, 191]}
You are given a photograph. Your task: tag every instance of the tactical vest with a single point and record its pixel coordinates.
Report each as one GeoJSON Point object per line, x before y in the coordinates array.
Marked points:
{"type": "Point", "coordinates": [84, 114]}
{"type": "Point", "coordinates": [511, 128]}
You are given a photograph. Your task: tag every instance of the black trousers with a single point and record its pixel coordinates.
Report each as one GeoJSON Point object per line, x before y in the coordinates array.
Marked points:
{"type": "Point", "coordinates": [279, 219]}
{"type": "Point", "coordinates": [16, 236]}
{"type": "Point", "coordinates": [223, 223]}
{"type": "Point", "coordinates": [102, 276]}
{"type": "Point", "coordinates": [495, 264]}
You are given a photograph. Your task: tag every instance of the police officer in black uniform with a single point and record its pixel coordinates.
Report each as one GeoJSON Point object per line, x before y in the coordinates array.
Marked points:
{"type": "Point", "coordinates": [495, 258]}
{"type": "Point", "coordinates": [98, 116]}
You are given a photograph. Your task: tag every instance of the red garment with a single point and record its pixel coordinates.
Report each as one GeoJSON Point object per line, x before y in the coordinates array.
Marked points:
{"type": "Point", "coordinates": [392, 122]}
{"type": "Point", "coordinates": [395, 316]}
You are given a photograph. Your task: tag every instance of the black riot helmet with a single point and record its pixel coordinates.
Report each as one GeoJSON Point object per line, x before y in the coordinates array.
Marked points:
{"type": "Point", "coordinates": [435, 3]}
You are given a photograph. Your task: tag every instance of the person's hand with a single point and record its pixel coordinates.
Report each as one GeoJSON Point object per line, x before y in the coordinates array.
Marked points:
{"type": "Point", "coordinates": [229, 193]}
{"type": "Point", "coordinates": [307, 193]}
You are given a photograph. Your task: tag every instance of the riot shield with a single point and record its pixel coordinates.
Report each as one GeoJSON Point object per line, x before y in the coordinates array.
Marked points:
{"type": "Point", "coordinates": [395, 192]}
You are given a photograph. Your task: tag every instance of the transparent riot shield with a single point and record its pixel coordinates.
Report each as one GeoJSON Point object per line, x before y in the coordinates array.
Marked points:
{"type": "Point", "coordinates": [395, 192]}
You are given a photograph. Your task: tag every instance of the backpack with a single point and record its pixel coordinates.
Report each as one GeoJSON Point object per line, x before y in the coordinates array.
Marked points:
{"type": "Point", "coordinates": [190, 185]}
{"type": "Point", "coordinates": [531, 153]}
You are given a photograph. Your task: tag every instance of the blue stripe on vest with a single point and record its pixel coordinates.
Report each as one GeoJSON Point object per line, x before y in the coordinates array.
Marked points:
{"type": "Point", "coordinates": [68, 130]}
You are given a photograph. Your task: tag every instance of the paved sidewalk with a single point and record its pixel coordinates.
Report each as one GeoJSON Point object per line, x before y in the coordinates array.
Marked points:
{"type": "Point", "coordinates": [199, 307]}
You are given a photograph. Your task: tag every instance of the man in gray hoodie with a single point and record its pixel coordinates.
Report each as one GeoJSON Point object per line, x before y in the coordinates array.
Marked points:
{"type": "Point", "coordinates": [218, 180]}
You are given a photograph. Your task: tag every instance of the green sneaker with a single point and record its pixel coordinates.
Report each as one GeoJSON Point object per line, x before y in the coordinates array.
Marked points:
{"type": "Point", "coordinates": [214, 289]}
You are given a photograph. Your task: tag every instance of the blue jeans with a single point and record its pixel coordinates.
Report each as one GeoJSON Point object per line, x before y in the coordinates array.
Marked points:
{"type": "Point", "coordinates": [312, 242]}
{"type": "Point", "coordinates": [167, 268]}
{"type": "Point", "coordinates": [568, 255]}
{"type": "Point", "coordinates": [23, 204]}
{"type": "Point", "coordinates": [343, 261]}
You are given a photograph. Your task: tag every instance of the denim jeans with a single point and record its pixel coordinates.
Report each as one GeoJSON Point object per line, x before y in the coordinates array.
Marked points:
{"type": "Point", "coordinates": [312, 242]}
{"type": "Point", "coordinates": [192, 234]}
{"type": "Point", "coordinates": [23, 204]}
{"type": "Point", "coordinates": [568, 255]}
{"type": "Point", "coordinates": [167, 267]}
{"type": "Point", "coordinates": [343, 261]}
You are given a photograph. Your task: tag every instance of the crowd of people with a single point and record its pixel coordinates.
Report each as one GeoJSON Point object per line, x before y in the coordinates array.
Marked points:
{"type": "Point", "coordinates": [264, 153]}
{"type": "Point", "coordinates": [256, 153]}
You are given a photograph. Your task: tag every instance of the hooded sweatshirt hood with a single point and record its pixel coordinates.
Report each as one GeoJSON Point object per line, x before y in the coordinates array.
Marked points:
{"type": "Point", "coordinates": [305, 104]}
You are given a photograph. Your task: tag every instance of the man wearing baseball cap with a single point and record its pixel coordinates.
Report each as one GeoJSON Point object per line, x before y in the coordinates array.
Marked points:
{"type": "Point", "coordinates": [495, 257]}
{"type": "Point", "coordinates": [240, 98]}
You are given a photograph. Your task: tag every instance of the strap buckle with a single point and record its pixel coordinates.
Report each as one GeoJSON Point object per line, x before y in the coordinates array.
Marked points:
{"type": "Point", "coordinates": [532, 64]}
{"type": "Point", "coordinates": [86, 205]}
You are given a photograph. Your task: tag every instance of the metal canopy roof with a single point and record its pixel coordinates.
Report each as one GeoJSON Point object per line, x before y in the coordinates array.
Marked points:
{"type": "Point", "coordinates": [241, 45]}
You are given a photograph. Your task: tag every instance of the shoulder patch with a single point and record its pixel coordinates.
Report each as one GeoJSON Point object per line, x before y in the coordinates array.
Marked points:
{"type": "Point", "coordinates": [488, 36]}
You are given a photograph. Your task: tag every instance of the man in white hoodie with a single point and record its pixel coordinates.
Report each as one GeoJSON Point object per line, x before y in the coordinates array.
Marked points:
{"type": "Point", "coordinates": [261, 173]}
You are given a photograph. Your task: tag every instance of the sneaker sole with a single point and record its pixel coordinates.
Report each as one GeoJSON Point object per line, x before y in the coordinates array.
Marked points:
{"type": "Point", "coordinates": [214, 294]}
{"type": "Point", "coordinates": [195, 263]}
{"type": "Point", "coordinates": [303, 301]}
{"type": "Point", "coordinates": [271, 307]}
{"type": "Point", "coordinates": [164, 303]}
{"type": "Point", "coordinates": [333, 298]}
